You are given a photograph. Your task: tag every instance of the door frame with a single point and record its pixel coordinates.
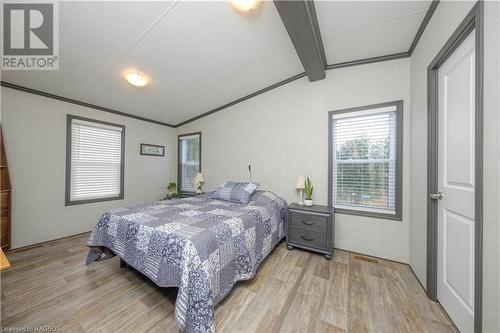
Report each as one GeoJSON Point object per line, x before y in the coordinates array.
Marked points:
{"type": "Point", "coordinates": [473, 21]}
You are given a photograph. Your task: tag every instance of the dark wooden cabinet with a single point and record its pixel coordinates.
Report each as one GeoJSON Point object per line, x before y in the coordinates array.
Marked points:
{"type": "Point", "coordinates": [5, 198]}
{"type": "Point", "coordinates": [311, 228]}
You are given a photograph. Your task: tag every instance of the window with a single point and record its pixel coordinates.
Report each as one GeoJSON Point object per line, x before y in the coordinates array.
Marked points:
{"type": "Point", "coordinates": [365, 160]}
{"type": "Point", "coordinates": [189, 161]}
{"type": "Point", "coordinates": [94, 160]}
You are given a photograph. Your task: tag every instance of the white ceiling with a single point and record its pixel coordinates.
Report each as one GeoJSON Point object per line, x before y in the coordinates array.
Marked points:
{"type": "Point", "coordinates": [201, 55]}
{"type": "Point", "coordinates": [353, 30]}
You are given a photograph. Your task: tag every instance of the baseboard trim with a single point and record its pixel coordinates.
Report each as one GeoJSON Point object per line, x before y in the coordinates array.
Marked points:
{"type": "Point", "coordinates": [372, 256]}
{"type": "Point", "coordinates": [416, 276]}
{"type": "Point", "coordinates": [36, 245]}
{"type": "Point", "coordinates": [391, 260]}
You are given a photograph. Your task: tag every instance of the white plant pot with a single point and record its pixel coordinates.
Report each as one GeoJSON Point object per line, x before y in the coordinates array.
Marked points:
{"type": "Point", "coordinates": [308, 203]}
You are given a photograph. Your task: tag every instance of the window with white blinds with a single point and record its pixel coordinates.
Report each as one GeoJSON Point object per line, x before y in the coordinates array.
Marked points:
{"type": "Point", "coordinates": [95, 161]}
{"type": "Point", "coordinates": [365, 160]}
{"type": "Point", "coordinates": [189, 161]}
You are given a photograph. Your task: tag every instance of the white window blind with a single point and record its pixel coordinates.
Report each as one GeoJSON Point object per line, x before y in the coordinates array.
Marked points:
{"type": "Point", "coordinates": [96, 158]}
{"type": "Point", "coordinates": [190, 161]}
{"type": "Point", "coordinates": [364, 160]}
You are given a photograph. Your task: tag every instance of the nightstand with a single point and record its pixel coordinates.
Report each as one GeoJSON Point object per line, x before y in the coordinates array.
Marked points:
{"type": "Point", "coordinates": [311, 228]}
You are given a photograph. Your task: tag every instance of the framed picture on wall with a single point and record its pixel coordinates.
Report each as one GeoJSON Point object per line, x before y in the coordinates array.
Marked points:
{"type": "Point", "coordinates": [152, 150]}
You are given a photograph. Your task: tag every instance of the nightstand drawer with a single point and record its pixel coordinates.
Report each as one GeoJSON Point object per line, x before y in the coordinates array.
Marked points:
{"type": "Point", "coordinates": [311, 222]}
{"type": "Point", "coordinates": [308, 238]}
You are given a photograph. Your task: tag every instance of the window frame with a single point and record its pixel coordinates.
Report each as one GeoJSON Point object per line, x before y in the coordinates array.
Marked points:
{"type": "Point", "coordinates": [179, 165]}
{"type": "Point", "coordinates": [121, 196]}
{"type": "Point", "coordinates": [398, 163]}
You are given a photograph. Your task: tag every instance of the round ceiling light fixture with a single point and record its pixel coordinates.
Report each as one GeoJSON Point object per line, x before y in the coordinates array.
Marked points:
{"type": "Point", "coordinates": [136, 78]}
{"type": "Point", "coordinates": [244, 5]}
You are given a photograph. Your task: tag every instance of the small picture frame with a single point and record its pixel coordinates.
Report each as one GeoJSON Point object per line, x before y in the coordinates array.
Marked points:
{"type": "Point", "coordinates": [152, 150]}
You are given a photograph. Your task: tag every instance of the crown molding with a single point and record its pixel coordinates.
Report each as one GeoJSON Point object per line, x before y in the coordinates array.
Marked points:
{"type": "Point", "coordinates": [80, 103]}
{"type": "Point", "coordinates": [423, 25]}
{"type": "Point", "coordinates": [239, 100]}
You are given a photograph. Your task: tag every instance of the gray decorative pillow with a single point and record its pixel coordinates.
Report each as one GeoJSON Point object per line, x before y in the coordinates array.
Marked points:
{"type": "Point", "coordinates": [234, 192]}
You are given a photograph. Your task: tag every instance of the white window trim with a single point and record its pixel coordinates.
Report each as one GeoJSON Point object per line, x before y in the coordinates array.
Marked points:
{"type": "Point", "coordinates": [364, 211]}
{"type": "Point", "coordinates": [70, 120]}
{"type": "Point", "coordinates": [179, 160]}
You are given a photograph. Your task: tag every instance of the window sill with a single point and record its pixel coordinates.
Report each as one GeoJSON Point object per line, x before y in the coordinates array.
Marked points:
{"type": "Point", "coordinates": [363, 213]}
{"type": "Point", "coordinates": [87, 201]}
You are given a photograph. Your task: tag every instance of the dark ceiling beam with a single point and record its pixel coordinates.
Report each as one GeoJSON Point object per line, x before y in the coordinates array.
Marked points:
{"type": "Point", "coordinates": [299, 18]}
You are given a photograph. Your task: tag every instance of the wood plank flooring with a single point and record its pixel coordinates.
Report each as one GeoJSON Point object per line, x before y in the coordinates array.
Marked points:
{"type": "Point", "coordinates": [294, 291]}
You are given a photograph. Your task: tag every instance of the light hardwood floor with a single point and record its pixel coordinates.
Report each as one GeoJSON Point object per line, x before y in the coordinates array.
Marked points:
{"type": "Point", "coordinates": [294, 291]}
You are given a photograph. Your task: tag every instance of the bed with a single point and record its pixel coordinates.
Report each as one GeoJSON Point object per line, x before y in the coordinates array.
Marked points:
{"type": "Point", "coordinates": [200, 245]}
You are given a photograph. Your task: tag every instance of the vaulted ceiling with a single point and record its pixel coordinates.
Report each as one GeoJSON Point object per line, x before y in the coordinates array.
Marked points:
{"type": "Point", "coordinates": [201, 55]}
{"type": "Point", "coordinates": [354, 30]}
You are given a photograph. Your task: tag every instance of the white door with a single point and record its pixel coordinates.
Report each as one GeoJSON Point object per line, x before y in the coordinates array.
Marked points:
{"type": "Point", "coordinates": [455, 287]}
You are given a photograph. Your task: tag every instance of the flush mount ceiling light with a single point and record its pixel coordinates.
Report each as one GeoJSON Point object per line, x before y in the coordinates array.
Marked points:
{"type": "Point", "coordinates": [136, 78]}
{"type": "Point", "coordinates": [244, 5]}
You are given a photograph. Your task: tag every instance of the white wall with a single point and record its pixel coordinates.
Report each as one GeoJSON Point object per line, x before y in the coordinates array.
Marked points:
{"type": "Point", "coordinates": [444, 22]}
{"type": "Point", "coordinates": [491, 205]}
{"type": "Point", "coordinates": [284, 133]}
{"type": "Point", "coordinates": [35, 135]}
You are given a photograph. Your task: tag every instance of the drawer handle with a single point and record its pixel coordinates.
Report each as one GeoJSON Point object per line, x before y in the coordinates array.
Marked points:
{"type": "Point", "coordinates": [307, 223]}
{"type": "Point", "coordinates": [307, 239]}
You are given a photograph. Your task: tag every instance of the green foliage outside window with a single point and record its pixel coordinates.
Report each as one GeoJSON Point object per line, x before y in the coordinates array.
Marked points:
{"type": "Point", "coordinates": [359, 182]}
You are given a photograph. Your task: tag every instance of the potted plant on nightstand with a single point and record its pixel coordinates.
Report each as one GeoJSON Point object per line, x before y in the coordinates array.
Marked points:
{"type": "Point", "coordinates": [171, 191]}
{"type": "Point", "coordinates": [308, 189]}
{"type": "Point", "coordinates": [172, 188]}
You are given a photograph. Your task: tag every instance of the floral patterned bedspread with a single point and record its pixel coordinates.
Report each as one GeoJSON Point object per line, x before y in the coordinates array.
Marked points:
{"type": "Point", "coordinates": [200, 245]}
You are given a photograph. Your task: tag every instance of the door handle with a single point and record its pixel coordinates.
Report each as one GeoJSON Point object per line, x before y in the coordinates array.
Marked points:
{"type": "Point", "coordinates": [437, 196]}
{"type": "Point", "coordinates": [307, 239]}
